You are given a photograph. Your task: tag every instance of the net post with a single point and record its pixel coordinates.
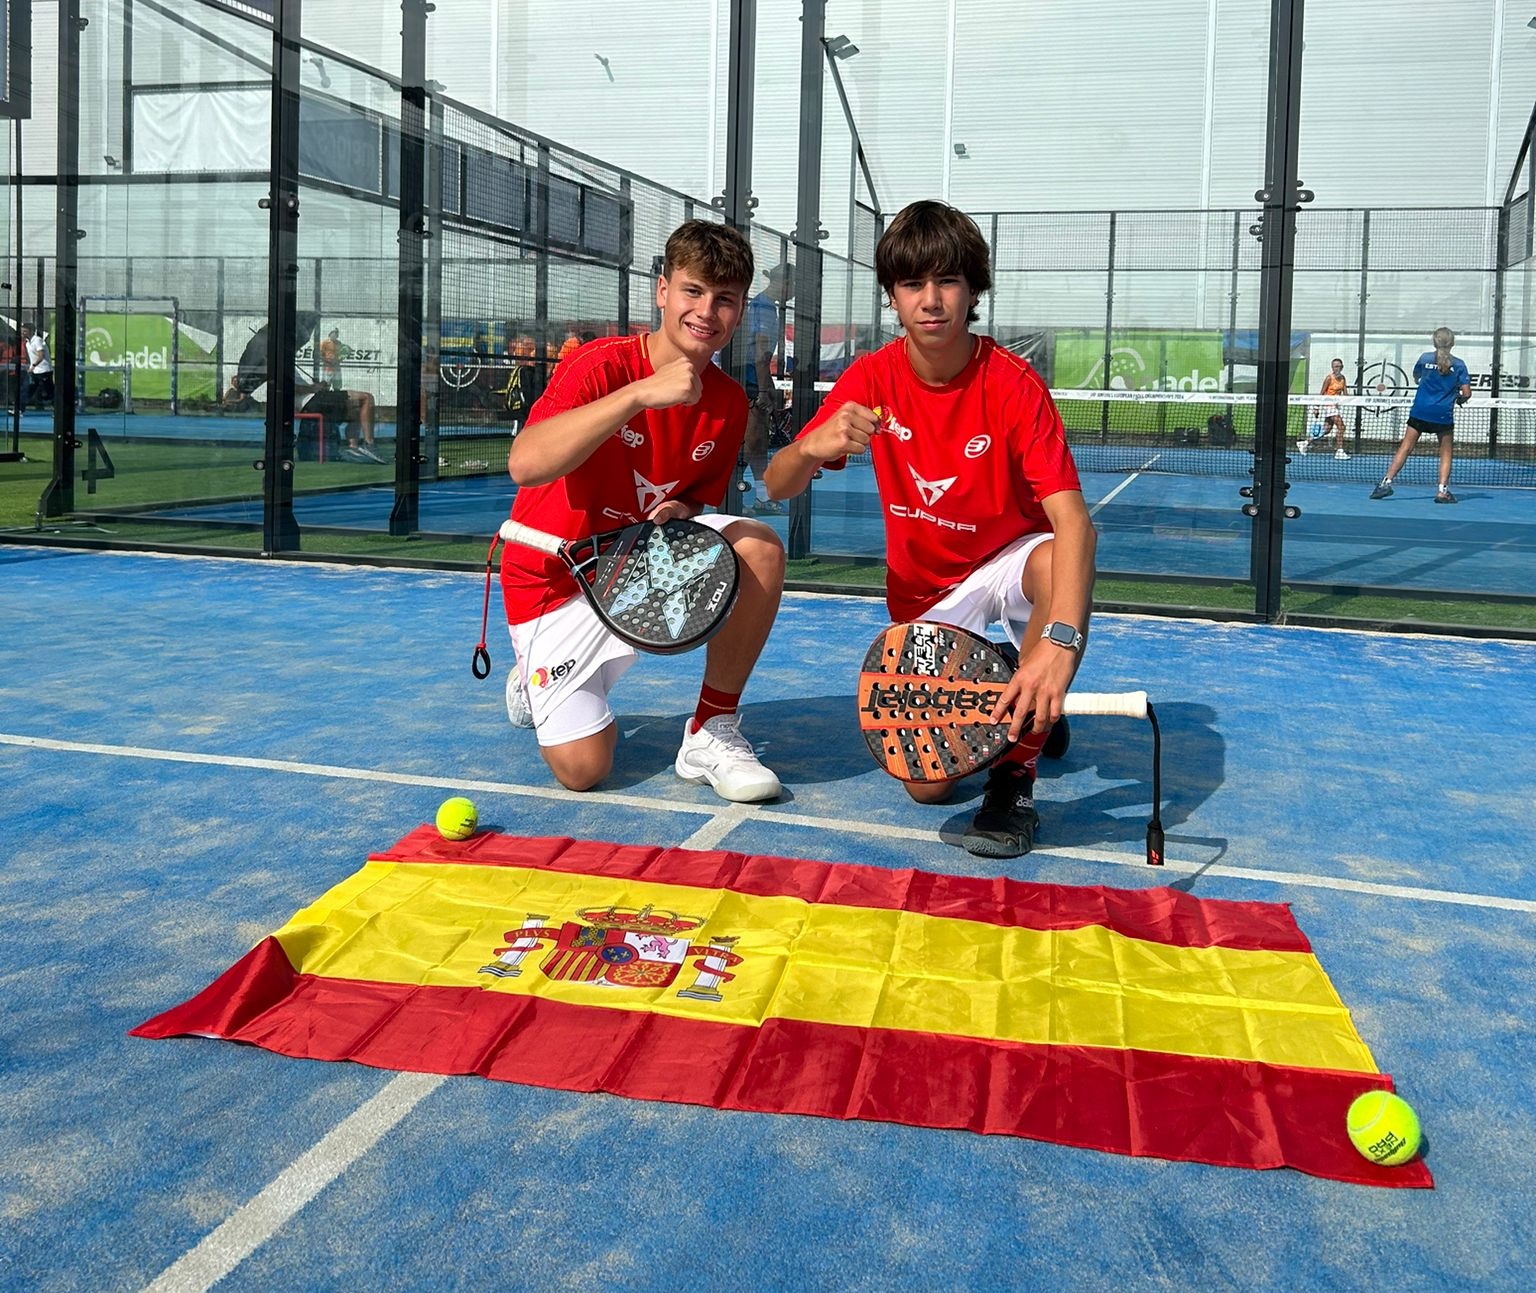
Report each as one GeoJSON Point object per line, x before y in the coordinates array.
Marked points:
{"type": "Point", "coordinates": [1365, 275]}
{"type": "Point", "coordinates": [175, 352]}
{"type": "Point", "coordinates": [1109, 323]}
{"type": "Point", "coordinates": [1500, 260]}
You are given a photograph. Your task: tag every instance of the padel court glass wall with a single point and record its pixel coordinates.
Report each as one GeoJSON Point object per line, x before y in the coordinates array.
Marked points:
{"type": "Point", "coordinates": [304, 274]}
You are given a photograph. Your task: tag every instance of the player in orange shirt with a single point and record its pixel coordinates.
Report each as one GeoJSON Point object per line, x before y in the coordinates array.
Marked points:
{"type": "Point", "coordinates": [1330, 412]}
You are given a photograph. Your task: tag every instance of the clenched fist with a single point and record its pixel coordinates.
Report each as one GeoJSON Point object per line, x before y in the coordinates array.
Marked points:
{"type": "Point", "coordinates": [672, 384]}
{"type": "Point", "coordinates": [847, 431]}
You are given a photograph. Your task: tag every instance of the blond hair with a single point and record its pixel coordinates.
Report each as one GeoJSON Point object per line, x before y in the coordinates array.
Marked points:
{"type": "Point", "coordinates": [1444, 339]}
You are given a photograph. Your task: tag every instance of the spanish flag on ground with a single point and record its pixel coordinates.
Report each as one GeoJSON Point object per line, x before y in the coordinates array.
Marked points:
{"type": "Point", "coordinates": [1138, 1021]}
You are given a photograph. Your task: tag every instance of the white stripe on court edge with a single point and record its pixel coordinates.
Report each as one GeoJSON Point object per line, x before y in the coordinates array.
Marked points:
{"type": "Point", "coordinates": [722, 820]}
{"type": "Point", "coordinates": [1124, 484]}
{"type": "Point", "coordinates": [250, 1226]}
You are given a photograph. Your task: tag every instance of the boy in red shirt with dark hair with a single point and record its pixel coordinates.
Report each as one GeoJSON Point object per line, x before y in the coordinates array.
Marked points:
{"type": "Point", "coordinates": [635, 428]}
{"type": "Point", "coordinates": [984, 515]}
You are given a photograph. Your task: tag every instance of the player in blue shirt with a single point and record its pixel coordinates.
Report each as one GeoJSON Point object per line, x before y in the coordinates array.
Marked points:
{"type": "Point", "coordinates": [764, 329]}
{"type": "Point", "coordinates": [1443, 384]}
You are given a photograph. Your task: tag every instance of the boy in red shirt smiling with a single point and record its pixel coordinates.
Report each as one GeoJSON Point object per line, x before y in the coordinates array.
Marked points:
{"type": "Point", "coordinates": [635, 428]}
{"type": "Point", "coordinates": [984, 515]}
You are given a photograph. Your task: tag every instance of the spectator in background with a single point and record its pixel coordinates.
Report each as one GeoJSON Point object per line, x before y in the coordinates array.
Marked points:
{"type": "Point", "coordinates": [765, 329]}
{"type": "Point", "coordinates": [38, 367]}
{"type": "Point", "coordinates": [329, 354]}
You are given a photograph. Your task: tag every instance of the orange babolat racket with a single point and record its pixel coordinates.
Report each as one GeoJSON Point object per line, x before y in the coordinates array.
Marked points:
{"type": "Point", "coordinates": [926, 694]}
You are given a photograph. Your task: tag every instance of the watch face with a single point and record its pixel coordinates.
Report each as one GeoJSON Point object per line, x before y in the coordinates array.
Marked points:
{"type": "Point", "coordinates": [1062, 634]}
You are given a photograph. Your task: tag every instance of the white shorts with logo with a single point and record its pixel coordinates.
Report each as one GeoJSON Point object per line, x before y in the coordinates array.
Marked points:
{"type": "Point", "coordinates": [992, 593]}
{"type": "Point", "coordinates": [569, 661]}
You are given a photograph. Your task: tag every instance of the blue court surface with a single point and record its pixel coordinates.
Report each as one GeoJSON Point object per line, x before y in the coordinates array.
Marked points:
{"type": "Point", "coordinates": [193, 749]}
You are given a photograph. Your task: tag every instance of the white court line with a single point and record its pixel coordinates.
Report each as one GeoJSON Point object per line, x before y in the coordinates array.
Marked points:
{"type": "Point", "coordinates": [246, 1229]}
{"type": "Point", "coordinates": [1124, 484]}
{"type": "Point", "coordinates": [723, 820]}
{"type": "Point", "coordinates": [250, 1226]}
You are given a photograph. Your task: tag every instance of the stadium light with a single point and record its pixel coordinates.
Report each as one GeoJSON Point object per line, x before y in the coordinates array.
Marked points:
{"type": "Point", "coordinates": [842, 47]}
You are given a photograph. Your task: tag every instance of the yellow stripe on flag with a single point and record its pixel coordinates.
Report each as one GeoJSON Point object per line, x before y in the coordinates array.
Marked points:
{"type": "Point", "coordinates": [440, 924]}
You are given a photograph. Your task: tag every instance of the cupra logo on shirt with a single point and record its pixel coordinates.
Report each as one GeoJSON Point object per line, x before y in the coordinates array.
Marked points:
{"type": "Point", "coordinates": [931, 490]}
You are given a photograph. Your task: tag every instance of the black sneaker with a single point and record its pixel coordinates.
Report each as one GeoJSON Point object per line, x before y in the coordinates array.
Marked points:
{"type": "Point", "coordinates": [1057, 739]}
{"type": "Point", "coordinates": [1004, 825]}
{"type": "Point", "coordinates": [1444, 496]}
{"type": "Point", "coordinates": [1383, 490]}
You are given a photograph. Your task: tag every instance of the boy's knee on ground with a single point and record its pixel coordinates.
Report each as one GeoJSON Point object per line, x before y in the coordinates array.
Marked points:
{"type": "Point", "coordinates": [580, 765]}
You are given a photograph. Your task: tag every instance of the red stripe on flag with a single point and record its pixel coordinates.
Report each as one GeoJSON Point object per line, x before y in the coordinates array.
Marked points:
{"type": "Point", "coordinates": [1161, 915]}
{"type": "Point", "coordinates": [1225, 1112]}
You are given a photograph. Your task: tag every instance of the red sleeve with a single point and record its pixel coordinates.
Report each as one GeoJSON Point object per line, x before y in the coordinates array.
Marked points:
{"type": "Point", "coordinates": [1048, 464]}
{"type": "Point", "coordinates": [851, 388]}
{"type": "Point", "coordinates": [585, 376]}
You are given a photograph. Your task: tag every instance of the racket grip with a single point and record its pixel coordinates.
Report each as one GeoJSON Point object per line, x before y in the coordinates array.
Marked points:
{"type": "Point", "coordinates": [1118, 704]}
{"type": "Point", "coordinates": [517, 532]}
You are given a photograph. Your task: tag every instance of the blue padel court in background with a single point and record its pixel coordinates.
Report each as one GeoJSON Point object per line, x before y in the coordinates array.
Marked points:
{"type": "Point", "coordinates": [193, 749]}
{"type": "Point", "coordinates": [1174, 512]}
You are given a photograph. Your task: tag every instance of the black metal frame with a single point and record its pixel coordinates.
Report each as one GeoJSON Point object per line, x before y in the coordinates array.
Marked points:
{"type": "Point", "coordinates": [280, 530]}
{"type": "Point", "coordinates": [807, 237]}
{"type": "Point", "coordinates": [405, 512]}
{"type": "Point", "coordinates": [59, 496]}
{"type": "Point", "coordinates": [1280, 198]}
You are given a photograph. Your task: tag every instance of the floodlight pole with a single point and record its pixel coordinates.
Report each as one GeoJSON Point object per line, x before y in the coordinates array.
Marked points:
{"type": "Point", "coordinates": [1281, 198]}
{"type": "Point", "coordinates": [853, 129]}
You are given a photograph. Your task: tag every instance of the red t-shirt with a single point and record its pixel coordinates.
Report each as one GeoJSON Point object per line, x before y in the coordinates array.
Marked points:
{"type": "Point", "coordinates": [686, 452]}
{"type": "Point", "coordinates": [961, 468]}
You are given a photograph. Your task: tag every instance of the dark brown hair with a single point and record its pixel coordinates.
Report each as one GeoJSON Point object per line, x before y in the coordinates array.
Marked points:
{"type": "Point", "coordinates": [933, 238]}
{"type": "Point", "coordinates": [714, 253]}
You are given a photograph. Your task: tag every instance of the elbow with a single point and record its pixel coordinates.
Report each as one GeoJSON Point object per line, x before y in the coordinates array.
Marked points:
{"type": "Point", "coordinates": [524, 472]}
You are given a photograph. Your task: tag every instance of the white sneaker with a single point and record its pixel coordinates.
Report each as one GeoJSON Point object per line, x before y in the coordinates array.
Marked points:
{"type": "Point", "coordinates": [719, 754]}
{"type": "Point", "coordinates": [519, 710]}
{"type": "Point", "coordinates": [1301, 446]}
{"type": "Point", "coordinates": [1339, 453]}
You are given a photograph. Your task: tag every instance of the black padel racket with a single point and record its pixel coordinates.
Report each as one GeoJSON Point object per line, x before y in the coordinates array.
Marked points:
{"type": "Point", "coordinates": [926, 693]}
{"type": "Point", "coordinates": [662, 588]}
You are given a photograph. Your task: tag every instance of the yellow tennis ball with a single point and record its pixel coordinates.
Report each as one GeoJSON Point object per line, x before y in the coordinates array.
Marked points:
{"type": "Point", "coordinates": [1384, 1128]}
{"type": "Point", "coordinates": [457, 819]}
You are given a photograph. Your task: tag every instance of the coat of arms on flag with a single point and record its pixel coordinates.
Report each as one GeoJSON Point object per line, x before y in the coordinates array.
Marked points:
{"type": "Point", "coordinates": [1146, 1022]}
{"type": "Point", "coordinates": [622, 946]}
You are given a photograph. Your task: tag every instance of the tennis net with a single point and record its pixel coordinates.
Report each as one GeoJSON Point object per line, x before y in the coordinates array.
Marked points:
{"type": "Point", "coordinates": [1208, 433]}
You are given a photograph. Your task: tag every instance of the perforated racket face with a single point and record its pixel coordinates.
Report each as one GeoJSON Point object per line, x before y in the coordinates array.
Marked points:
{"type": "Point", "coordinates": [925, 694]}
{"type": "Point", "coordinates": [666, 588]}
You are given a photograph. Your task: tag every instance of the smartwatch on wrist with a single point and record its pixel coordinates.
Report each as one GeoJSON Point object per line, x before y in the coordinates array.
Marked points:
{"type": "Point", "coordinates": [1063, 635]}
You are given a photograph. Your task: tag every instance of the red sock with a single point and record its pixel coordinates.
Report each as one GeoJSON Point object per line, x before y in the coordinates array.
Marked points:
{"type": "Point", "coordinates": [1026, 752]}
{"type": "Point", "coordinates": [713, 703]}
